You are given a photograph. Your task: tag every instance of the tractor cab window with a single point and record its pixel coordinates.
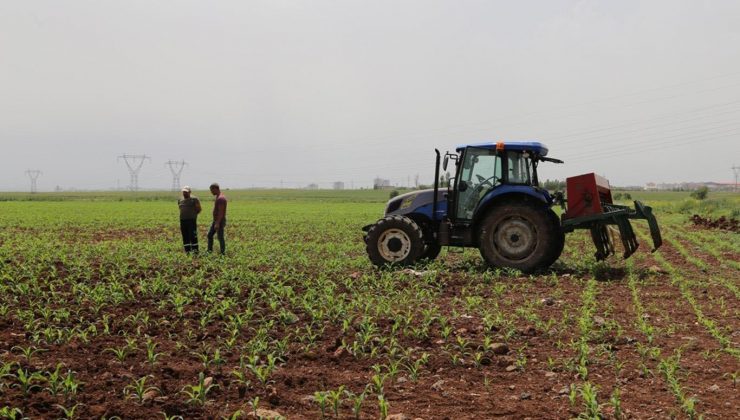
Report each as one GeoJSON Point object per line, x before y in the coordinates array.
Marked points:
{"type": "Point", "coordinates": [480, 172]}
{"type": "Point", "coordinates": [519, 168]}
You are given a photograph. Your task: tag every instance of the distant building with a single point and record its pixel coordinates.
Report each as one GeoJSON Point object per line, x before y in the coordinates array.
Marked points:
{"type": "Point", "coordinates": [689, 186]}
{"type": "Point", "coordinates": [381, 183]}
{"type": "Point", "coordinates": [339, 185]}
{"type": "Point", "coordinates": [312, 186]}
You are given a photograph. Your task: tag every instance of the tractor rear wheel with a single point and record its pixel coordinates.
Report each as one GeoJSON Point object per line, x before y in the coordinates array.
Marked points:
{"type": "Point", "coordinates": [519, 235]}
{"type": "Point", "coordinates": [558, 239]}
{"type": "Point", "coordinates": [394, 240]}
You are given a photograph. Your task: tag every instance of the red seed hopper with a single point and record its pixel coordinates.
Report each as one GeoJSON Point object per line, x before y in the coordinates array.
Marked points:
{"type": "Point", "coordinates": [590, 206]}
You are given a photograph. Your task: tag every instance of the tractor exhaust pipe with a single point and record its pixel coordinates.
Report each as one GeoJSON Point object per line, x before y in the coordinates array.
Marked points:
{"type": "Point", "coordinates": [436, 186]}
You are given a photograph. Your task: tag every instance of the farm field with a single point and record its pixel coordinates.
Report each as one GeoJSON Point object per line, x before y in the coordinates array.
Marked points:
{"type": "Point", "coordinates": [102, 315]}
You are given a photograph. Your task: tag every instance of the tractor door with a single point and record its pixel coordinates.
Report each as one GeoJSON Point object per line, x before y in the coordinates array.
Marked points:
{"type": "Point", "coordinates": [481, 171]}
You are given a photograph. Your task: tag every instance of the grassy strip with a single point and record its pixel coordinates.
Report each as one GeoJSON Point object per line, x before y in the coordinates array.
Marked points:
{"type": "Point", "coordinates": [703, 266]}
{"type": "Point", "coordinates": [705, 246]}
{"type": "Point", "coordinates": [667, 366]}
{"type": "Point", "coordinates": [677, 279]}
{"type": "Point", "coordinates": [588, 391]}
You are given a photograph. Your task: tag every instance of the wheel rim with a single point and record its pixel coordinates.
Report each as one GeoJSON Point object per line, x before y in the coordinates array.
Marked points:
{"type": "Point", "coordinates": [394, 245]}
{"type": "Point", "coordinates": [515, 238]}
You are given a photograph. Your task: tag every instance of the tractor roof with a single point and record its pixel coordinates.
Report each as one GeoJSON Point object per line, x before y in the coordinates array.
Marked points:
{"type": "Point", "coordinates": [531, 146]}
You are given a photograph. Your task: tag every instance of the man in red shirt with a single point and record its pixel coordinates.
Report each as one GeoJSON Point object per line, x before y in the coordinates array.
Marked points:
{"type": "Point", "coordinates": [219, 219]}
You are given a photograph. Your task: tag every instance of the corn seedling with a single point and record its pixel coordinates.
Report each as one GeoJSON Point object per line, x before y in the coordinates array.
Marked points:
{"type": "Point", "coordinates": [139, 390]}
{"type": "Point", "coordinates": [26, 382]}
{"type": "Point", "coordinates": [151, 353]}
{"type": "Point", "coordinates": [198, 393]}
{"type": "Point", "coordinates": [27, 352]}
{"type": "Point", "coordinates": [357, 400]}
{"type": "Point", "coordinates": [69, 413]}
{"type": "Point", "coordinates": [11, 413]}
{"type": "Point", "coordinates": [383, 407]}
{"type": "Point", "coordinates": [322, 399]}
{"type": "Point", "coordinates": [335, 397]}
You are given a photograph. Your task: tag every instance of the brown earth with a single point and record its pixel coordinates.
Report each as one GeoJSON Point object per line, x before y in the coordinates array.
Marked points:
{"type": "Point", "coordinates": [721, 223]}
{"type": "Point", "coordinates": [539, 389]}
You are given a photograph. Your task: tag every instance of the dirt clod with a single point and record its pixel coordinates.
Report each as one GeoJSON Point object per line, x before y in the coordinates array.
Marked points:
{"type": "Point", "coordinates": [437, 386]}
{"type": "Point", "coordinates": [722, 223]}
{"type": "Point", "coordinates": [499, 348]}
{"type": "Point", "coordinates": [265, 414]}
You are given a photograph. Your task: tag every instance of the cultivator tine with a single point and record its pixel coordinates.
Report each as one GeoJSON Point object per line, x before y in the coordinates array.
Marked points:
{"type": "Point", "coordinates": [646, 212]}
{"type": "Point", "coordinates": [629, 241]}
{"type": "Point", "coordinates": [602, 241]}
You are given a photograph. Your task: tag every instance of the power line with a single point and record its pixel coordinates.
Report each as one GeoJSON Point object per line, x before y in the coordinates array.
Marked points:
{"type": "Point", "coordinates": [524, 118]}
{"type": "Point", "coordinates": [134, 164]}
{"type": "Point", "coordinates": [176, 168]}
{"type": "Point", "coordinates": [33, 175]}
{"type": "Point", "coordinates": [637, 142]}
{"type": "Point", "coordinates": [573, 136]}
{"type": "Point", "coordinates": [651, 146]}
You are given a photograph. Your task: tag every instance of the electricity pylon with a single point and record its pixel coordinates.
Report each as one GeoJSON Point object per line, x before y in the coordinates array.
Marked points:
{"type": "Point", "coordinates": [736, 170]}
{"type": "Point", "coordinates": [176, 168]}
{"type": "Point", "coordinates": [134, 164]}
{"type": "Point", "coordinates": [33, 175]}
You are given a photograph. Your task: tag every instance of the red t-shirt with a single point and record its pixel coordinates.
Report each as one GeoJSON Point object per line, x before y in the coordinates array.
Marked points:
{"type": "Point", "coordinates": [219, 208]}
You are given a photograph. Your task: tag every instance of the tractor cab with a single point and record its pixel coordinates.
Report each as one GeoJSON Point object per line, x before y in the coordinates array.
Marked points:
{"type": "Point", "coordinates": [485, 171]}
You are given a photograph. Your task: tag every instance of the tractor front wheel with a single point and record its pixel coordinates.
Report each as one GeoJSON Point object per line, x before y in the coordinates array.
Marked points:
{"type": "Point", "coordinates": [394, 240]}
{"type": "Point", "coordinates": [519, 235]}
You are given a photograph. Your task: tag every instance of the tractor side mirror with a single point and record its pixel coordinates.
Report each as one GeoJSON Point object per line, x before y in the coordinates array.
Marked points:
{"type": "Point", "coordinates": [449, 156]}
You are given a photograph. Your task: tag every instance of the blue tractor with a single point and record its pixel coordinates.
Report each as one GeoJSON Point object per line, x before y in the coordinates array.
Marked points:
{"type": "Point", "coordinates": [494, 203]}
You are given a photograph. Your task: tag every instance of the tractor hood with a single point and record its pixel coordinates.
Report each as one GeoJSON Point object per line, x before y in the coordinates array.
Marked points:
{"type": "Point", "coordinates": [414, 202]}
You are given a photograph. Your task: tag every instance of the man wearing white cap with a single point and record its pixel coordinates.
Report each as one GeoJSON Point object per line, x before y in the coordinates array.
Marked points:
{"type": "Point", "coordinates": [189, 209]}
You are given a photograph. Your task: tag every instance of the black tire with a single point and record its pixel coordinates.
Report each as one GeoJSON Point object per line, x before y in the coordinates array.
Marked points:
{"type": "Point", "coordinates": [394, 240]}
{"type": "Point", "coordinates": [519, 235]}
{"type": "Point", "coordinates": [431, 248]}
{"type": "Point", "coordinates": [431, 252]}
{"type": "Point", "coordinates": [558, 242]}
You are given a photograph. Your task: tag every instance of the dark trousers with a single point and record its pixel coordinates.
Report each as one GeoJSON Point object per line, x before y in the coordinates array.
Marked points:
{"type": "Point", "coordinates": [189, 229]}
{"type": "Point", "coordinates": [213, 231]}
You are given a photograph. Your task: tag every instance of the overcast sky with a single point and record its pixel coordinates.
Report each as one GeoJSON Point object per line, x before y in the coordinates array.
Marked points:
{"type": "Point", "coordinates": [252, 93]}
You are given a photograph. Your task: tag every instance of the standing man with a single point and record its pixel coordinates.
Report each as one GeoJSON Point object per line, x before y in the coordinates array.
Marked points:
{"type": "Point", "coordinates": [219, 219]}
{"type": "Point", "coordinates": [189, 209]}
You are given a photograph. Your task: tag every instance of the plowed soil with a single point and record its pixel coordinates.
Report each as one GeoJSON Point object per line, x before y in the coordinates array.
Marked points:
{"type": "Point", "coordinates": [532, 378]}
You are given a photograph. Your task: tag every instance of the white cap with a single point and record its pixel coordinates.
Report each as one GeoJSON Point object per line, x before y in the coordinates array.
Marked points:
{"type": "Point", "coordinates": [186, 189]}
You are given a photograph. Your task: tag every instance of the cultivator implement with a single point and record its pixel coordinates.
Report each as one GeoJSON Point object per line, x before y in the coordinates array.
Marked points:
{"type": "Point", "coordinates": [590, 207]}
